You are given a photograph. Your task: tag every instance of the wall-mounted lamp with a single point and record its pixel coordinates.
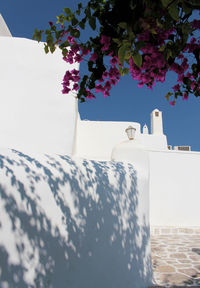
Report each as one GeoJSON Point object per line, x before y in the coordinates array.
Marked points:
{"type": "Point", "coordinates": [130, 131]}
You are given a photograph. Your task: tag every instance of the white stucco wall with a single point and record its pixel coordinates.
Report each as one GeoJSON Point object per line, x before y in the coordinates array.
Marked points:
{"type": "Point", "coordinates": [96, 139]}
{"type": "Point", "coordinates": [174, 188]}
{"type": "Point", "coordinates": [35, 115]}
{"type": "Point", "coordinates": [155, 141]}
{"type": "Point", "coordinates": [70, 222]}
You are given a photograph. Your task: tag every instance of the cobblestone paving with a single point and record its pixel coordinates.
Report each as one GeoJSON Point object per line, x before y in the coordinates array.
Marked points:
{"type": "Point", "coordinates": [176, 259]}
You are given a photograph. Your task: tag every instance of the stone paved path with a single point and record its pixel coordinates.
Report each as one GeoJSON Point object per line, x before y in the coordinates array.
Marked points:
{"type": "Point", "coordinates": [176, 259]}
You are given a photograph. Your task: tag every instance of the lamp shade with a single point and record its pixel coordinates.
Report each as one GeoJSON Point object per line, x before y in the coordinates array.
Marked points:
{"type": "Point", "coordinates": [130, 132]}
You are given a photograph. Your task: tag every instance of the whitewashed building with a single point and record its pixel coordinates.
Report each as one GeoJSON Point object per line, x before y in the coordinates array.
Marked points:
{"type": "Point", "coordinates": [77, 198]}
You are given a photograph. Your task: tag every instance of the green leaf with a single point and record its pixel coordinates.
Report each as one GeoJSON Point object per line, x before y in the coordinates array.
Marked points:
{"type": "Point", "coordinates": [75, 33]}
{"type": "Point", "coordinates": [46, 49]}
{"type": "Point", "coordinates": [139, 45]}
{"type": "Point", "coordinates": [78, 11]}
{"type": "Point", "coordinates": [122, 52]}
{"type": "Point", "coordinates": [174, 12]}
{"type": "Point", "coordinates": [186, 8]}
{"type": "Point", "coordinates": [37, 35]}
{"type": "Point", "coordinates": [126, 70]}
{"type": "Point", "coordinates": [137, 59]}
{"type": "Point", "coordinates": [87, 11]}
{"type": "Point", "coordinates": [64, 44]}
{"type": "Point", "coordinates": [169, 53]}
{"type": "Point", "coordinates": [74, 21]}
{"type": "Point", "coordinates": [165, 3]}
{"type": "Point", "coordinates": [116, 40]}
{"type": "Point", "coordinates": [131, 35]}
{"type": "Point", "coordinates": [80, 5]}
{"type": "Point", "coordinates": [194, 3]}
{"type": "Point", "coordinates": [123, 25]}
{"type": "Point", "coordinates": [92, 22]}
{"type": "Point", "coordinates": [159, 24]}
{"type": "Point", "coordinates": [168, 95]}
{"type": "Point", "coordinates": [52, 48]}
{"type": "Point", "coordinates": [82, 24]}
{"type": "Point", "coordinates": [61, 19]}
{"type": "Point", "coordinates": [162, 48]}
{"type": "Point", "coordinates": [67, 11]}
{"type": "Point", "coordinates": [64, 51]}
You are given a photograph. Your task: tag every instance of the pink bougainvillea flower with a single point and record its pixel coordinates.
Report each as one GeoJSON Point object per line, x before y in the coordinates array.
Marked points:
{"type": "Point", "coordinates": [196, 24]}
{"type": "Point", "coordinates": [176, 87]}
{"type": "Point", "coordinates": [93, 57]}
{"type": "Point", "coordinates": [78, 58]}
{"type": "Point", "coordinates": [85, 51]}
{"type": "Point", "coordinates": [105, 75]}
{"type": "Point", "coordinates": [75, 48]}
{"type": "Point", "coordinates": [105, 41]}
{"type": "Point", "coordinates": [75, 87]}
{"type": "Point", "coordinates": [66, 90]}
{"type": "Point", "coordinates": [193, 85]}
{"type": "Point", "coordinates": [185, 96]}
{"type": "Point", "coordinates": [70, 39]}
{"type": "Point", "coordinates": [114, 60]}
{"type": "Point", "coordinates": [75, 72]}
{"type": "Point", "coordinates": [180, 56]}
{"type": "Point", "coordinates": [114, 82]}
{"type": "Point", "coordinates": [75, 78]}
{"type": "Point", "coordinates": [99, 88]}
{"type": "Point", "coordinates": [108, 85]}
{"type": "Point", "coordinates": [140, 84]}
{"type": "Point", "coordinates": [172, 103]}
{"type": "Point", "coordinates": [106, 93]}
{"type": "Point", "coordinates": [90, 95]}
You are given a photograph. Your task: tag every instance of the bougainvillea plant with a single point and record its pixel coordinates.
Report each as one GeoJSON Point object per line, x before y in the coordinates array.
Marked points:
{"type": "Point", "coordinates": [142, 37]}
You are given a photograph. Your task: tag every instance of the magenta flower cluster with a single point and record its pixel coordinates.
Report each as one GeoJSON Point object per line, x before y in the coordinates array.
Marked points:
{"type": "Point", "coordinates": [153, 69]}
{"type": "Point", "coordinates": [109, 78]}
{"type": "Point", "coordinates": [70, 81]}
{"type": "Point", "coordinates": [105, 41]}
{"type": "Point", "coordinates": [76, 54]}
{"type": "Point", "coordinates": [154, 66]}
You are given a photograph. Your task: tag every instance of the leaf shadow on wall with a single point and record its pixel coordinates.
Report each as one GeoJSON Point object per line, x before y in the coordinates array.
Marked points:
{"type": "Point", "coordinates": [70, 223]}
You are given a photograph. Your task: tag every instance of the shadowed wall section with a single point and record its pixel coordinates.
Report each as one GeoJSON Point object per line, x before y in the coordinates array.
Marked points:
{"type": "Point", "coordinates": [74, 223]}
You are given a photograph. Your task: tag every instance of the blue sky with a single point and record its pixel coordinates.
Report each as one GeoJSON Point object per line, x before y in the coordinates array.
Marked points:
{"type": "Point", "coordinates": [127, 102]}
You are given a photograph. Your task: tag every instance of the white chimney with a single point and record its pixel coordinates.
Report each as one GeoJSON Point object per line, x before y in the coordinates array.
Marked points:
{"type": "Point", "coordinates": [156, 122]}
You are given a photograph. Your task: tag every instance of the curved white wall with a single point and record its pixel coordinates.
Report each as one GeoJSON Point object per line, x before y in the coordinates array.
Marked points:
{"type": "Point", "coordinates": [174, 188]}
{"type": "Point", "coordinates": [69, 222]}
{"type": "Point", "coordinates": [35, 115]}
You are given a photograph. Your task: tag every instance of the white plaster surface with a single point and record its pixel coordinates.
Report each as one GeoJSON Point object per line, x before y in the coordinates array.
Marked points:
{"type": "Point", "coordinates": [96, 139]}
{"type": "Point", "coordinates": [132, 151]}
{"type": "Point", "coordinates": [35, 115]}
{"type": "Point", "coordinates": [154, 141]}
{"type": "Point", "coordinates": [70, 222]}
{"type": "Point", "coordinates": [174, 188]}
